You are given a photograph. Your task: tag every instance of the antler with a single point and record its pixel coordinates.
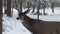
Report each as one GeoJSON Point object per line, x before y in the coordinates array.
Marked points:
{"type": "Point", "coordinates": [28, 10]}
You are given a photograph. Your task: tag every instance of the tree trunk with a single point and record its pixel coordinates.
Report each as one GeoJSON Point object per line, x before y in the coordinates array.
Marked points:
{"type": "Point", "coordinates": [0, 16]}
{"type": "Point", "coordinates": [5, 6]}
{"type": "Point", "coordinates": [52, 7]}
{"type": "Point", "coordinates": [38, 10]}
{"type": "Point", "coordinates": [44, 6]}
{"type": "Point", "coordinates": [38, 13]}
{"type": "Point", "coordinates": [9, 8]}
{"type": "Point", "coordinates": [21, 6]}
{"type": "Point", "coordinates": [52, 10]}
{"type": "Point", "coordinates": [43, 11]}
{"type": "Point", "coordinates": [33, 8]}
{"type": "Point", "coordinates": [28, 4]}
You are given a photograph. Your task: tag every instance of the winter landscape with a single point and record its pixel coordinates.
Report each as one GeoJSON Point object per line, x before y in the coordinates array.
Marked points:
{"type": "Point", "coordinates": [30, 16]}
{"type": "Point", "coordinates": [14, 26]}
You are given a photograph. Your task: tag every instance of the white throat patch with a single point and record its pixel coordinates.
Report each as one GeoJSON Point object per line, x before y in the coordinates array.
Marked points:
{"type": "Point", "coordinates": [21, 20]}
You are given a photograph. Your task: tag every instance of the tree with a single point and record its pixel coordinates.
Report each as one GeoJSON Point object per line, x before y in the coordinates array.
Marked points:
{"type": "Point", "coordinates": [1, 16]}
{"type": "Point", "coordinates": [28, 4]}
{"type": "Point", "coordinates": [44, 6]}
{"type": "Point", "coordinates": [52, 7]}
{"type": "Point", "coordinates": [9, 8]}
{"type": "Point", "coordinates": [33, 7]}
{"type": "Point", "coordinates": [38, 9]}
{"type": "Point", "coordinates": [15, 2]}
{"type": "Point", "coordinates": [5, 6]}
{"type": "Point", "coordinates": [20, 6]}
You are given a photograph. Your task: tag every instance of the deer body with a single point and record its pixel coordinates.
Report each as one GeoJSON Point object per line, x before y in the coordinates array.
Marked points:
{"type": "Point", "coordinates": [39, 26]}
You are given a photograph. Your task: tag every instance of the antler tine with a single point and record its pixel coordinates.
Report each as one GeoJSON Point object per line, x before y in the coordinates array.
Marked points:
{"type": "Point", "coordinates": [27, 11]}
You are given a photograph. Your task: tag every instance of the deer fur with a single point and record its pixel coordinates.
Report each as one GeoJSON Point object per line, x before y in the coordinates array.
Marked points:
{"type": "Point", "coordinates": [36, 26]}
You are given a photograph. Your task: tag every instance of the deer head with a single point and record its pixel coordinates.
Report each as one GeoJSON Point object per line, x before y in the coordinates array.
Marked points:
{"type": "Point", "coordinates": [22, 14]}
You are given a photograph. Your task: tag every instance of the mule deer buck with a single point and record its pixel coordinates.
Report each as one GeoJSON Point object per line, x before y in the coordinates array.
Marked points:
{"type": "Point", "coordinates": [39, 26]}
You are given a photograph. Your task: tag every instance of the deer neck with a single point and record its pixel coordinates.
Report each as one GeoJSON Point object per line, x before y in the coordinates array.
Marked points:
{"type": "Point", "coordinates": [26, 22]}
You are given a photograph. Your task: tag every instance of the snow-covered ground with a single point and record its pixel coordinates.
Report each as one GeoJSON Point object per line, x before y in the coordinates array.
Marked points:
{"type": "Point", "coordinates": [14, 26]}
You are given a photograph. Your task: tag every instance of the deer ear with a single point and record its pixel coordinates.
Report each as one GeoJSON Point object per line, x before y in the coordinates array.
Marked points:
{"type": "Point", "coordinates": [27, 11]}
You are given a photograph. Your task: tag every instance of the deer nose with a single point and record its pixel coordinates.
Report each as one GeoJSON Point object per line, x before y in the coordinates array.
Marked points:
{"type": "Point", "coordinates": [17, 18]}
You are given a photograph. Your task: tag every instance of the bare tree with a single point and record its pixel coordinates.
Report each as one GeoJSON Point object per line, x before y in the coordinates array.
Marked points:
{"type": "Point", "coordinates": [1, 16]}
{"type": "Point", "coordinates": [33, 7]}
{"type": "Point", "coordinates": [16, 4]}
{"type": "Point", "coordinates": [5, 6]}
{"type": "Point", "coordinates": [28, 4]}
{"type": "Point", "coordinates": [20, 6]}
{"type": "Point", "coordinates": [44, 6]}
{"type": "Point", "coordinates": [52, 7]}
{"type": "Point", "coordinates": [38, 9]}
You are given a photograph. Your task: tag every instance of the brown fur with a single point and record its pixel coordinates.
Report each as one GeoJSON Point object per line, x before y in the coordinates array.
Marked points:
{"type": "Point", "coordinates": [39, 26]}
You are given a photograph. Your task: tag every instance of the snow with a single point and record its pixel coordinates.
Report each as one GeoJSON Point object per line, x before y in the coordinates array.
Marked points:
{"type": "Point", "coordinates": [50, 17]}
{"type": "Point", "coordinates": [14, 26]}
